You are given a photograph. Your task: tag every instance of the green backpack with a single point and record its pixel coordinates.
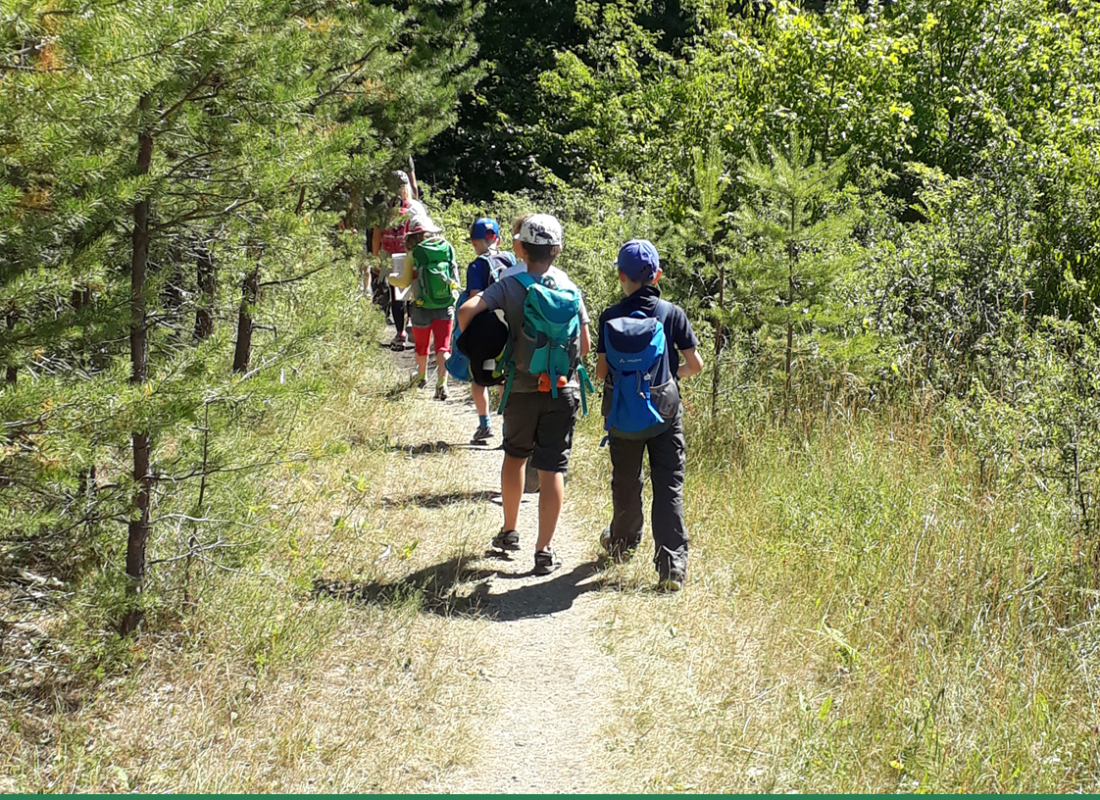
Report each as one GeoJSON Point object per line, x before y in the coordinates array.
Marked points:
{"type": "Point", "coordinates": [434, 260]}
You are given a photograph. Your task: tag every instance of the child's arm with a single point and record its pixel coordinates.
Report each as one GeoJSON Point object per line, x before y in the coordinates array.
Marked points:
{"type": "Point", "coordinates": [693, 363]}
{"type": "Point", "coordinates": [601, 366]}
{"type": "Point", "coordinates": [376, 242]}
{"type": "Point", "coordinates": [586, 341]}
{"type": "Point", "coordinates": [470, 309]}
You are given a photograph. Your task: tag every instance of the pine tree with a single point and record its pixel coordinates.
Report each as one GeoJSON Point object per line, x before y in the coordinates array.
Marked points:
{"type": "Point", "coordinates": [800, 241]}
{"type": "Point", "coordinates": [139, 137]}
{"type": "Point", "coordinates": [707, 217]}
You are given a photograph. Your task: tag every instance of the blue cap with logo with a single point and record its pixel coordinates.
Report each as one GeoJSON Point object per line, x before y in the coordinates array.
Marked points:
{"type": "Point", "coordinates": [638, 260]}
{"type": "Point", "coordinates": [483, 227]}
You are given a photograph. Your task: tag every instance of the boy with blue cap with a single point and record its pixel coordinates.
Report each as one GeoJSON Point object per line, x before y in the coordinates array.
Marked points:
{"type": "Point", "coordinates": [644, 329]}
{"type": "Point", "coordinates": [482, 273]}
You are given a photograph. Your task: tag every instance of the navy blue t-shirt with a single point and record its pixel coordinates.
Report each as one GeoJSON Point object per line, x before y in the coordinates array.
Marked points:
{"type": "Point", "coordinates": [678, 332]}
{"type": "Point", "coordinates": [479, 275]}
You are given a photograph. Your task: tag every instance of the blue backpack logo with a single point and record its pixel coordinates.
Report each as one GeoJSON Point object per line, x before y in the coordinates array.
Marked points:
{"type": "Point", "coordinates": [637, 354]}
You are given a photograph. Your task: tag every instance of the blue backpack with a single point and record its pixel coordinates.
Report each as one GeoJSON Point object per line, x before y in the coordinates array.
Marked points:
{"type": "Point", "coordinates": [549, 343]}
{"type": "Point", "coordinates": [637, 354]}
{"type": "Point", "coordinates": [498, 262]}
{"type": "Point", "coordinates": [458, 365]}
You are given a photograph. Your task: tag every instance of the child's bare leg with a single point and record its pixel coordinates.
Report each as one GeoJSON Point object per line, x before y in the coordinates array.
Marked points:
{"type": "Point", "coordinates": [441, 365]}
{"type": "Point", "coordinates": [422, 364]}
{"type": "Point", "coordinates": [511, 490]}
{"type": "Point", "coordinates": [481, 399]}
{"type": "Point", "coordinates": [551, 499]}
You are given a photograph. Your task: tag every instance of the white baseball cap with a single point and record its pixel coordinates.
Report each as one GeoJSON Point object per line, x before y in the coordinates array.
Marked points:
{"type": "Point", "coordinates": [540, 229]}
{"type": "Point", "coordinates": [422, 223]}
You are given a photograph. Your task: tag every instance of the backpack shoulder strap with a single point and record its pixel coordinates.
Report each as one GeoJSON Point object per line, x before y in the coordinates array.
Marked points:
{"type": "Point", "coordinates": [663, 309]}
{"type": "Point", "coordinates": [526, 279]}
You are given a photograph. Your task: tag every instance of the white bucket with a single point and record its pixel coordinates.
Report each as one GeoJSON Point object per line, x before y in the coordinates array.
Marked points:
{"type": "Point", "coordinates": [397, 266]}
{"type": "Point", "coordinates": [397, 277]}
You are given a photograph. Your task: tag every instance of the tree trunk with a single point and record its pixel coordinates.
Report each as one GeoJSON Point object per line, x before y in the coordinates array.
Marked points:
{"type": "Point", "coordinates": [790, 343]}
{"type": "Point", "coordinates": [412, 179]}
{"type": "Point", "coordinates": [139, 525]}
{"type": "Point", "coordinates": [11, 374]}
{"type": "Point", "coordinates": [250, 289]}
{"type": "Point", "coordinates": [719, 343]}
{"type": "Point", "coordinates": [204, 312]}
{"type": "Point", "coordinates": [792, 256]}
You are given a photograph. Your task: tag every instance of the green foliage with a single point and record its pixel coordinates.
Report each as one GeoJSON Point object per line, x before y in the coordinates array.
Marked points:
{"type": "Point", "coordinates": [169, 173]}
{"type": "Point", "coordinates": [799, 241]}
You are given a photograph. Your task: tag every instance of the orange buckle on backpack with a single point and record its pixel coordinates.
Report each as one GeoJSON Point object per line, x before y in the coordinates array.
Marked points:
{"type": "Point", "coordinates": [544, 382]}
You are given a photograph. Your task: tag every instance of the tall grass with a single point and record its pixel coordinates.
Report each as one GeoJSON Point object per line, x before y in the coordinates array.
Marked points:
{"type": "Point", "coordinates": [246, 678]}
{"type": "Point", "coordinates": [864, 613]}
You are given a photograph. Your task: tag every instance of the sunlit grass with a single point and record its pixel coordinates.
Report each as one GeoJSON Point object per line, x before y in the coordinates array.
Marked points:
{"type": "Point", "coordinates": [264, 681]}
{"type": "Point", "coordinates": [861, 615]}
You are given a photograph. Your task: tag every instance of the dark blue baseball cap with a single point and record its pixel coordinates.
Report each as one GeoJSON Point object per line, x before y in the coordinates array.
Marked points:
{"type": "Point", "coordinates": [483, 227]}
{"type": "Point", "coordinates": [638, 260]}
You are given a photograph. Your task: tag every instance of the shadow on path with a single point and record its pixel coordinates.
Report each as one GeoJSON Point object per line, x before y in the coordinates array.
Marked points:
{"type": "Point", "coordinates": [444, 589]}
{"type": "Point", "coordinates": [441, 500]}
{"type": "Point", "coordinates": [542, 597]}
{"type": "Point", "coordinates": [438, 589]}
{"type": "Point", "coordinates": [439, 447]}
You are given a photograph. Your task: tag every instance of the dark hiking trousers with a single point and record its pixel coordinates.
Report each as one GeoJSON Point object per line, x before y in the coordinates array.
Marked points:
{"type": "Point", "coordinates": [666, 470]}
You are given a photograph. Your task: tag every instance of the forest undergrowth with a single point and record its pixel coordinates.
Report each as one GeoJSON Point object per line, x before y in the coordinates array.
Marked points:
{"type": "Point", "coordinates": [864, 615]}
{"type": "Point", "coordinates": [250, 677]}
{"type": "Point", "coordinates": [865, 612]}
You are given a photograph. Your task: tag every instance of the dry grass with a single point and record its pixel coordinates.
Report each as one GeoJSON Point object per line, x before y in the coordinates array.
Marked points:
{"type": "Point", "coordinates": [337, 657]}
{"type": "Point", "coordinates": [861, 616]}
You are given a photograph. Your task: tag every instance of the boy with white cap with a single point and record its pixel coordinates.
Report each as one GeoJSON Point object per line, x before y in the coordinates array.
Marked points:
{"type": "Point", "coordinates": [538, 419]}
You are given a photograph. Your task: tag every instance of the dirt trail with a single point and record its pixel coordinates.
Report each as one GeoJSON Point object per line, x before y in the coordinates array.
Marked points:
{"type": "Point", "coordinates": [551, 686]}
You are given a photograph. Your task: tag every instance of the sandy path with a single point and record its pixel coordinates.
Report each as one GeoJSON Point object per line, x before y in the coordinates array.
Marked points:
{"type": "Point", "coordinates": [551, 686]}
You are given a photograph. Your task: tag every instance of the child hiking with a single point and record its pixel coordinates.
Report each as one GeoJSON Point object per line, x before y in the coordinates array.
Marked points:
{"type": "Point", "coordinates": [435, 286]}
{"type": "Point", "coordinates": [390, 241]}
{"type": "Point", "coordinates": [548, 337]}
{"type": "Point", "coordinates": [640, 341]}
{"type": "Point", "coordinates": [482, 273]}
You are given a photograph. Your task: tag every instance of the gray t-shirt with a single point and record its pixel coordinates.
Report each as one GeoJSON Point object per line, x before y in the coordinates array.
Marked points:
{"type": "Point", "coordinates": [509, 295]}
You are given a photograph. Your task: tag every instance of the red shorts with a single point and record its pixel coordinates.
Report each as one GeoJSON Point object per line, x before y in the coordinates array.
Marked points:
{"type": "Point", "coordinates": [440, 331]}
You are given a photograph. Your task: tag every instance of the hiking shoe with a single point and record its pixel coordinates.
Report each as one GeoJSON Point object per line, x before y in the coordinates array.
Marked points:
{"type": "Point", "coordinates": [546, 561]}
{"type": "Point", "coordinates": [398, 343]}
{"type": "Point", "coordinates": [421, 382]}
{"type": "Point", "coordinates": [618, 555]}
{"type": "Point", "coordinates": [505, 540]}
{"type": "Point", "coordinates": [673, 582]}
{"type": "Point", "coordinates": [441, 392]}
{"type": "Point", "coordinates": [483, 434]}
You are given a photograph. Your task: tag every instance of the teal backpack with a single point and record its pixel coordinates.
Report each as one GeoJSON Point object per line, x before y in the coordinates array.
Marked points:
{"type": "Point", "coordinates": [549, 343]}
